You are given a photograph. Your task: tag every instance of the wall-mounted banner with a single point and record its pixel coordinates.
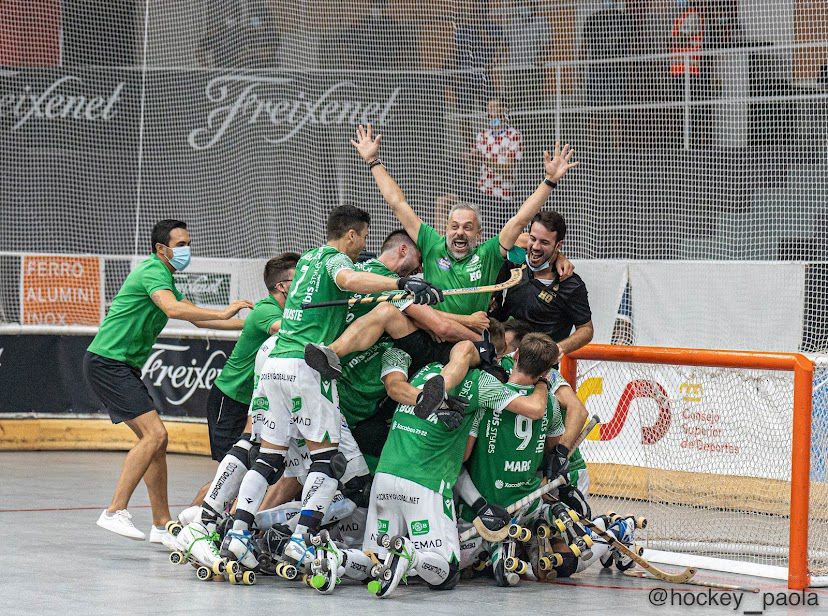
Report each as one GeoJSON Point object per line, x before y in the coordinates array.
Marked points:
{"type": "Point", "coordinates": [178, 373]}
{"type": "Point", "coordinates": [60, 290]}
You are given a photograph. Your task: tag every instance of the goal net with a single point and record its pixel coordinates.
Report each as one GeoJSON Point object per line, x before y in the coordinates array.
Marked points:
{"type": "Point", "coordinates": [713, 448]}
{"type": "Point", "coordinates": [701, 127]}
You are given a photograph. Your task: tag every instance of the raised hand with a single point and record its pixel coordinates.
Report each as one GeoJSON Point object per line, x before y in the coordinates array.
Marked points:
{"type": "Point", "coordinates": [557, 166]}
{"type": "Point", "coordinates": [366, 144]}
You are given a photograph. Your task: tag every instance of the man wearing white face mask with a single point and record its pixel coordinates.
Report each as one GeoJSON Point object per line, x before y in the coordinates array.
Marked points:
{"type": "Point", "coordinates": [112, 366]}
{"type": "Point", "coordinates": [496, 149]}
{"type": "Point", "coordinates": [547, 304]}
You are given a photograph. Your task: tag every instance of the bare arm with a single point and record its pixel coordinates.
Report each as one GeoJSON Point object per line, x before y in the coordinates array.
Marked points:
{"type": "Point", "coordinates": [364, 282]}
{"type": "Point", "coordinates": [576, 415]}
{"type": "Point", "coordinates": [579, 338]}
{"type": "Point", "coordinates": [555, 169]}
{"type": "Point", "coordinates": [438, 323]}
{"type": "Point", "coordinates": [275, 327]}
{"type": "Point", "coordinates": [187, 311]}
{"type": "Point", "coordinates": [532, 406]}
{"type": "Point", "coordinates": [469, 448]}
{"type": "Point", "coordinates": [229, 324]}
{"type": "Point", "coordinates": [399, 389]}
{"type": "Point", "coordinates": [368, 148]}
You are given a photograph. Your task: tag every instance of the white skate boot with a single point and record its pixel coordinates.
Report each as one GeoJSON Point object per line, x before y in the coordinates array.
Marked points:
{"type": "Point", "coordinates": [201, 550]}
{"type": "Point", "coordinates": [400, 560]}
{"type": "Point", "coordinates": [240, 552]}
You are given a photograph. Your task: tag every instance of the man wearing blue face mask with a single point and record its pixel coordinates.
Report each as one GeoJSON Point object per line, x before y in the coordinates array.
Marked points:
{"type": "Point", "coordinates": [547, 304]}
{"type": "Point", "coordinates": [112, 366]}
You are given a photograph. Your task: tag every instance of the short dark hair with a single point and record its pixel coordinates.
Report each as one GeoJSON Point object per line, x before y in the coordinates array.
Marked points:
{"type": "Point", "coordinates": [518, 328]}
{"type": "Point", "coordinates": [276, 269]}
{"type": "Point", "coordinates": [161, 231]}
{"type": "Point", "coordinates": [537, 353]}
{"type": "Point", "coordinates": [553, 221]}
{"type": "Point", "coordinates": [343, 218]}
{"type": "Point", "coordinates": [395, 238]}
{"type": "Point", "coordinates": [497, 335]}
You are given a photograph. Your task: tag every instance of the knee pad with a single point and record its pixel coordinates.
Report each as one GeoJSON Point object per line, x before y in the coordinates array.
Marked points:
{"type": "Point", "coordinates": [330, 462]}
{"type": "Point", "coordinates": [269, 465]}
{"type": "Point", "coordinates": [451, 581]}
{"type": "Point", "coordinates": [358, 490]}
{"type": "Point", "coordinates": [253, 453]}
{"type": "Point", "coordinates": [574, 499]}
{"type": "Point", "coordinates": [569, 566]}
{"type": "Point", "coordinates": [242, 449]}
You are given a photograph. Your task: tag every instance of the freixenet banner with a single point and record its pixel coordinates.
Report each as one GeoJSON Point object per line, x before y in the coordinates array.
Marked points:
{"type": "Point", "coordinates": [248, 159]}
{"type": "Point", "coordinates": [178, 373]}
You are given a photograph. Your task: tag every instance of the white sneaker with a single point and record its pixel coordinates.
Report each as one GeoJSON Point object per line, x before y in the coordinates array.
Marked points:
{"type": "Point", "coordinates": [120, 522]}
{"type": "Point", "coordinates": [160, 535]}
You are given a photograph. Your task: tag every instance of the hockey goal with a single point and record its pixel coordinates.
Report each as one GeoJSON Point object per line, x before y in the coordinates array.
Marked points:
{"type": "Point", "coordinates": [715, 448]}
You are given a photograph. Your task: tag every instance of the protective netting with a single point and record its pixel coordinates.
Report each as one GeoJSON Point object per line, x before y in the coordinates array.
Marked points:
{"type": "Point", "coordinates": [701, 126]}
{"type": "Point", "coordinates": [705, 455]}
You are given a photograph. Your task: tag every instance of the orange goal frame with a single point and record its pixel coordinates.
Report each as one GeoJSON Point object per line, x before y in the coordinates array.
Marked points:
{"type": "Point", "coordinates": [803, 384]}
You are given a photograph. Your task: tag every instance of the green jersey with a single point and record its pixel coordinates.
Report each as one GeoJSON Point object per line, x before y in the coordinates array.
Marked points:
{"type": "Point", "coordinates": [314, 281]}
{"type": "Point", "coordinates": [360, 387]}
{"type": "Point", "coordinates": [133, 322]}
{"type": "Point", "coordinates": [424, 450]}
{"type": "Point", "coordinates": [505, 460]}
{"type": "Point", "coordinates": [236, 378]}
{"type": "Point", "coordinates": [480, 267]}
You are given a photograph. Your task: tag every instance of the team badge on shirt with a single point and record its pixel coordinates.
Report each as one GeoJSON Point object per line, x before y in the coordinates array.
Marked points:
{"type": "Point", "coordinates": [443, 263]}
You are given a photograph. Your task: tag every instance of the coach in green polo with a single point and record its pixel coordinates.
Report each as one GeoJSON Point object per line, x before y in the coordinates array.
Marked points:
{"type": "Point", "coordinates": [112, 366]}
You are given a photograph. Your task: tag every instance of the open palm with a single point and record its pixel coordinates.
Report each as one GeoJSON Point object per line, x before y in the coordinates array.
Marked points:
{"type": "Point", "coordinates": [558, 165]}
{"type": "Point", "coordinates": [366, 144]}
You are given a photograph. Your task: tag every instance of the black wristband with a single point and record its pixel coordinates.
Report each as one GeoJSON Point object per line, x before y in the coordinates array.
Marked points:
{"type": "Point", "coordinates": [374, 163]}
{"type": "Point", "coordinates": [550, 183]}
{"type": "Point", "coordinates": [545, 381]}
{"type": "Point", "coordinates": [479, 504]}
{"type": "Point", "coordinates": [562, 449]}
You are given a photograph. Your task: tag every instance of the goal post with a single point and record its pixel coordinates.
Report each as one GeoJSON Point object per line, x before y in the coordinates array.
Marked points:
{"type": "Point", "coordinates": [725, 396]}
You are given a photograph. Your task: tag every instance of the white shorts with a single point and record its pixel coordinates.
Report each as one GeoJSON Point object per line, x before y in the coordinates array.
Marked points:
{"type": "Point", "coordinates": [300, 404]}
{"type": "Point", "coordinates": [402, 507]}
{"type": "Point", "coordinates": [297, 461]}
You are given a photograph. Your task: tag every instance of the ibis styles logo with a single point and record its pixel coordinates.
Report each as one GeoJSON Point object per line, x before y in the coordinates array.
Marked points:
{"type": "Point", "coordinates": [419, 527]}
{"type": "Point", "coordinates": [210, 289]}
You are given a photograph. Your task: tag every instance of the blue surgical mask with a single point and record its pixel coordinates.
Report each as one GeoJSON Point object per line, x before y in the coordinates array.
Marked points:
{"type": "Point", "coordinates": [540, 268]}
{"type": "Point", "coordinates": [181, 258]}
{"type": "Point", "coordinates": [494, 122]}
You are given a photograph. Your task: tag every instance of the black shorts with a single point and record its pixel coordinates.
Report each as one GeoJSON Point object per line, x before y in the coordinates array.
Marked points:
{"type": "Point", "coordinates": [118, 386]}
{"type": "Point", "coordinates": [423, 350]}
{"type": "Point", "coordinates": [226, 418]}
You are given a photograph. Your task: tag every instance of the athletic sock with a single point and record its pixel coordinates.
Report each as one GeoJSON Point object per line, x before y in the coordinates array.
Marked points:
{"type": "Point", "coordinates": [225, 485]}
{"type": "Point", "coordinates": [317, 494]}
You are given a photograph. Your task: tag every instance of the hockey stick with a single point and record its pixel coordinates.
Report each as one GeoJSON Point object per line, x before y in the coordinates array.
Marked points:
{"type": "Point", "coordinates": [495, 536]}
{"type": "Point", "coordinates": [514, 278]}
{"type": "Point", "coordinates": [647, 576]}
{"type": "Point", "coordinates": [500, 535]}
{"type": "Point", "coordinates": [675, 578]}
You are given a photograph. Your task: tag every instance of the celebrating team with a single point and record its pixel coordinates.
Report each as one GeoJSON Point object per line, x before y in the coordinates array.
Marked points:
{"type": "Point", "coordinates": [368, 424]}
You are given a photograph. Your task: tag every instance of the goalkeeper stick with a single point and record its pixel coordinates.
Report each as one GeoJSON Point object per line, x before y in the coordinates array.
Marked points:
{"type": "Point", "coordinates": [514, 278]}
{"type": "Point", "coordinates": [478, 528]}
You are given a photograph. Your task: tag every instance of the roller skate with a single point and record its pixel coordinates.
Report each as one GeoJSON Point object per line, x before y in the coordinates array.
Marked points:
{"type": "Point", "coordinates": [200, 548]}
{"type": "Point", "coordinates": [298, 552]}
{"type": "Point", "coordinates": [624, 531]}
{"type": "Point", "coordinates": [239, 549]}
{"type": "Point", "coordinates": [326, 566]}
{"type": "Point", "coordinates": [548, 559]}
{"type": "Point", "coordinates": [323, 360]}
{"type": "Point", "coordinates": [566, 521]}
{"type": "Point", "coordinates": [270, 546]}
{"type": "Point", "coordinates": [507, 564]}
{"type": "Point", "coordinates": [399, 561]}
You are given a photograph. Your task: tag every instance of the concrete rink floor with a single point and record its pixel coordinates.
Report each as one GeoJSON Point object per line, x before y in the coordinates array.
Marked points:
{"type": "Point", "coordinates": [57, 561]}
